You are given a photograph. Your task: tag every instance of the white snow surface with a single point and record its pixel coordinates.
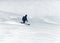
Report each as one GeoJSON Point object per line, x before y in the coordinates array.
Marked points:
{"type": "Point", "coordinates": [43, 28]}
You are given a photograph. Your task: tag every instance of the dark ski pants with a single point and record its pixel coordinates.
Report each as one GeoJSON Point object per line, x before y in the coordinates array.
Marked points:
{"type": "Point", "coordinates": [23, 21]}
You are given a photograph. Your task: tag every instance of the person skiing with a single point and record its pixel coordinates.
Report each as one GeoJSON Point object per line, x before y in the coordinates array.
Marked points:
{"type": "Point", "coordinates": [24, 18]}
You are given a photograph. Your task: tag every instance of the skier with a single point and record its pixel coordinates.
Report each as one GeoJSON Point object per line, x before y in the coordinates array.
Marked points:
{"type": "Point", "coordinates": [24, 18]}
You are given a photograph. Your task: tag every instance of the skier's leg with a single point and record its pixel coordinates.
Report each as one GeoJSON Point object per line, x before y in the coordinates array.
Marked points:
{"type": "Point", "coordinates": [23, 21]}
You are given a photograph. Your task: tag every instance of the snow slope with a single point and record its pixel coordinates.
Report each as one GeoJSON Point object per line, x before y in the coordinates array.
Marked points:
{"type": "Point", "coordinates": [44, 28]}
{"type": "Point", "coordinates": [40, 31]}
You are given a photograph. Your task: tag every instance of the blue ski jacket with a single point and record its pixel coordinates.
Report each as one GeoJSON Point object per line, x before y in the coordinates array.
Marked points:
{"type": "Point", "coordinates": [24, 18]}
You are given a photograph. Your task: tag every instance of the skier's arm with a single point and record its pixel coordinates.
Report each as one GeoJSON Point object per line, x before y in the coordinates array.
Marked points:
{"type": "Point", "coordinates": [26, 20]}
